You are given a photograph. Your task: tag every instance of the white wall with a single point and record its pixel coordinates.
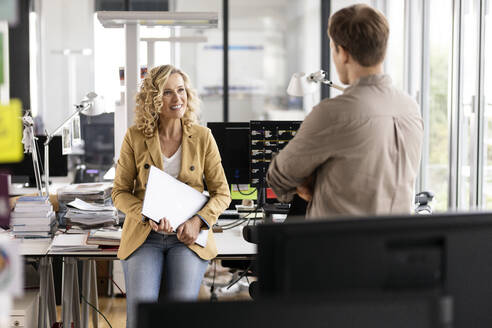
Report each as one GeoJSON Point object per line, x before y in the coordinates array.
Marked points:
{"type": "Point", "coordinates": [64, 24]}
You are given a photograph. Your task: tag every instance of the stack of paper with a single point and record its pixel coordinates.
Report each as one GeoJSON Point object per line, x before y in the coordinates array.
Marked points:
{"type": "Point", "coordinates": [33, 216]}
{"type": "Point", "coordinates": [97, 192]}
{"type": "Point", "coordinates": [104, 236]}
{"type": "Point", "coordinates": [90, 215]}
{"type": "Point", "coordinates": [63, 243]}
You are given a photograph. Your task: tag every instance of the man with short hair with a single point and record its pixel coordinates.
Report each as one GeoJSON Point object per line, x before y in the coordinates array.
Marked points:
{"type": "Point", "coordinates": [358, 153]}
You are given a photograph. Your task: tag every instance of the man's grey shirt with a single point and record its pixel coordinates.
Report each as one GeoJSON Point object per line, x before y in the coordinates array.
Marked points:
{"type": "Point", "coordinates": [363, 149]}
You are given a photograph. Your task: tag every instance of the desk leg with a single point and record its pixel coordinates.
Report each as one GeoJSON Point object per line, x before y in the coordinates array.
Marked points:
{"type": "Point", "coordinates": [67, 291]}
{"type": "Point", "coordinates": [89, 291]}
{"type": "Point", "coordinates": [86, 277]}
{"type": "Point", "coordinates": [76, 297]}
{"type": "Point", "coordinates": [71, 298]}
{"type": "Point", "coordinates": [51, 295]}
{"type": "Point", "coordinates": [46, 293]}
{"type": "Point", "coordinates": [94, 299]}
{"type": "Point", "coordinates": [43, 278]}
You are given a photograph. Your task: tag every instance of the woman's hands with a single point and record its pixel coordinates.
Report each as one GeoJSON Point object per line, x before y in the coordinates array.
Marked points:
{"type": "Point", "coordinates": [163, 226]}
{"type": "Point", "coordinates": [188, 231]}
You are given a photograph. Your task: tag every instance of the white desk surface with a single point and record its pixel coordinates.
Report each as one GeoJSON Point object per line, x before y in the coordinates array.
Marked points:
{"type": "Point", "coordinates": [230, 244]}
{"type": "Point", "coordinates": [16, 189]}
{"type": "Point", "coordinates": [34, 247]}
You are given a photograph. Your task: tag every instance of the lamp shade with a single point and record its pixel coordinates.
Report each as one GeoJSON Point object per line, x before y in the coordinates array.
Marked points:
{"type": "Point", "coordinates": [95, 104]}
{"type": "Point", "coordinates": [300, 86]}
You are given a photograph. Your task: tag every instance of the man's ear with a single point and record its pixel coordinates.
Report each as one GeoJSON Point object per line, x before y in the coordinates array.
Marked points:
{"type": "Point", "coordinates": [344, 54]}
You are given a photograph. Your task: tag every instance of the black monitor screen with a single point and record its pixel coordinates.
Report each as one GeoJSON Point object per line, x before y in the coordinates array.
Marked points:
{"type": "Point", "coordinates": [448, 253]}
{"type": "Point", "coordinates": [233, 141]}
{"type": "Point", "coordinates": [58, 162]}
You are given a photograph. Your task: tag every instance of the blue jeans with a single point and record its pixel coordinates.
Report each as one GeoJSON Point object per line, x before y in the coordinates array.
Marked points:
{"type": "Point", "coordinates": [143, 270]}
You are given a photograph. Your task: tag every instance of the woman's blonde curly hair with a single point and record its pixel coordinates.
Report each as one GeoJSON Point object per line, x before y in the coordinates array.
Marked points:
{"type": "Point", "coordinates": [149, 99]}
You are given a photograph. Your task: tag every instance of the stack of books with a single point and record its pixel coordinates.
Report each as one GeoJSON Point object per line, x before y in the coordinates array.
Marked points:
{"type": "Point", "coordinates": [33, 217]}
{"type": "Point", "coordinates": [104, 237]}
{"type": "Point", "coordinates": [63, 243]}
{"type": "Point", "coordinates": [96, 192]}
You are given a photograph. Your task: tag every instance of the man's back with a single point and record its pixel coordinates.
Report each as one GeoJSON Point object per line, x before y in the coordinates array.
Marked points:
{"type": "Point", "coordinates": [363, 148]}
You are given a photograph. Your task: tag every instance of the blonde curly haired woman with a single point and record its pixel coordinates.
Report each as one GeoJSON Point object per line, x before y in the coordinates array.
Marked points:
{"type": "Point", "coordinates": [166, 135]}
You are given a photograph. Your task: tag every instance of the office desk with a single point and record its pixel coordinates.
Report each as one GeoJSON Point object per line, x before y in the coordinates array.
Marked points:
{"type": "Point", "coordinates": [230, 245]}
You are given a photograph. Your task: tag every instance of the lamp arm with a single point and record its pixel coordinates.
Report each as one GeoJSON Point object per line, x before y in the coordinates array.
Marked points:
{"type": "Point", "coordinates": [320, 76]}
{"type": "Point", "coordinates": [78, 109]}
{"type": "Point", "coordinates": [332, 85]}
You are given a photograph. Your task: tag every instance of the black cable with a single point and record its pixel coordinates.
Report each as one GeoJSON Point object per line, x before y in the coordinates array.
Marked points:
{"type": "Point", "coordinates": [234, 224]}
{"type": "Point", "coordinates": [257, 205]}
{"type": "Point", "coordinates": [245, 194]}
{"type": "Point", "coordinates": [96, 310]}
{"type": "Point", "coordinates": [114, 282]}
{"type": "Point", "coordinates": [213, 296]}
{"type": "Point", "coordinates": [237, 222]}
{"type": "Point", "coordinates": [40, 162]}
{"type": "Point", "coordinates": [256, 214]}
{"type": "Point", "coordinates": [215, 270]}
{"type": "Point", "coordinates": [244, 273]}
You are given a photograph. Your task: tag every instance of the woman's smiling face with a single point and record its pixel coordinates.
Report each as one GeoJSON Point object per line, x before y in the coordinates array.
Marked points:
{"type": "Point", "coordinates": [174, 98]}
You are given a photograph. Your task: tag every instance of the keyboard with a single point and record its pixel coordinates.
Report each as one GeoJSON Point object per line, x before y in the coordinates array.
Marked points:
{"type": "Point", "coordinates": [229, 214]}
{"type": "Point", "coordinates": [276, 208]}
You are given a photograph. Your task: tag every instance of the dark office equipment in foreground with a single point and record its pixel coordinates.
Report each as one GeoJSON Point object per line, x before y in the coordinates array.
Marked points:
{"type": "Point", "coordinates": [369, 312]}
{"type": "Point", "coordinates": [233, 142]}
{"type": "Point", "coordinates": [449, 254]}
{"type": "Point", "coordinates": [23, 172]}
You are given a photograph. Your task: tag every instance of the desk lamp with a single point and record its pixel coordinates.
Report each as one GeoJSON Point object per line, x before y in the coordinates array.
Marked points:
{"type": "Point", "coordinates": [90, 107]}
{"type": "Point", "coordinates": [301, 84]}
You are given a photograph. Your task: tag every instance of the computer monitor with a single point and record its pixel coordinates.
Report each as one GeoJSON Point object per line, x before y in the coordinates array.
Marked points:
{"type": "Point", "coordinates": [233, 142]}
{"type": "Point", "coordinates": [98, 134]}
{"type": "Point", "coordinates": [407, 311]}
{"type": "Point", "coordinates": [23, 172]}
{"type": "Point", "coordinates": [448, 253]}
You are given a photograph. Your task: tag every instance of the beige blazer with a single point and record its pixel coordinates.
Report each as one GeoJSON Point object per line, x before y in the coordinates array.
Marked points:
{"type": "Point", "coordinates": [200, 159]}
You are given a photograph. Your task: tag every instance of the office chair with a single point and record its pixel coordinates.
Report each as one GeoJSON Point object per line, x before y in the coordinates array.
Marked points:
{"type": "Point", "coordinates": [422, 202]}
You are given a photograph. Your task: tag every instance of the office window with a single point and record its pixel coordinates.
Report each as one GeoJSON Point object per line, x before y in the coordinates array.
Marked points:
{"type": "Point", "coordinates": [468, 108]}
{"type": "Point", "coordinates": [109, 57]}
{"type": "Point", "coordinates": [268, 42]}
{"type": "Point", "coordinates": [62, 55]}
{"type": "Point", "coordinates": [198, 52]}
{"type": "Point", "coordinates": [438, 73]}
{"type": "Point", "coordinates": [394, 63]}
{"type": "Point", "coordinates": [202, 58]}
{"type": "Point", "coordinates": [487, 105]}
